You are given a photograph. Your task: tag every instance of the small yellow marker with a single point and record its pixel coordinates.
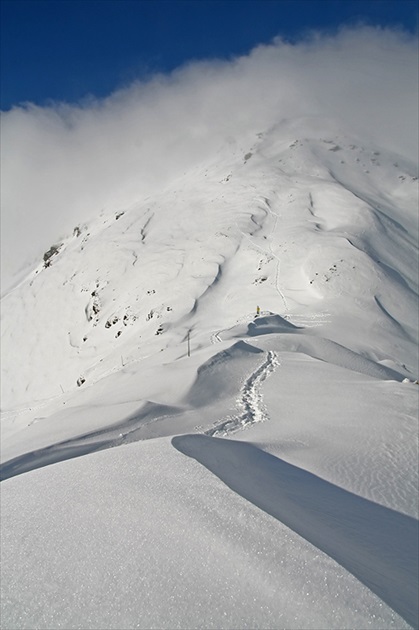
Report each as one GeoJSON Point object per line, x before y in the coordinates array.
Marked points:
{"type": "Point", "coordinates": [257, 311]}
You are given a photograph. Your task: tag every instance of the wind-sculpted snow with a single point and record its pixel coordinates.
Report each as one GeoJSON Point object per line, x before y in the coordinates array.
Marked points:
{"type": "Point", "coordinates": [218, 376]}
{"type": "Point", "coordinates": [217, 379]}
{"type": "Point", "coordinates": [332, 352]}
{"type": "Point", "coordinates": [272, 288]}
{"type": "Point", "coordinates": [142, 536]}
{"type": "Point", "coordinates": [289, 337]}
{"type": "Point", "coordinates": [377, 545]}
{"type": "Point", "coordinates": [120, 433]}
{"type": "Point", "coordinates": [299, 229]}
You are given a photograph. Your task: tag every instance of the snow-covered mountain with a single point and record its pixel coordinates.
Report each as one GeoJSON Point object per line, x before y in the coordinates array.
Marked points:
{"type": "Point", "coordinates": [306, 225]}
{"type": "Point", "coordinates": [247, 337]}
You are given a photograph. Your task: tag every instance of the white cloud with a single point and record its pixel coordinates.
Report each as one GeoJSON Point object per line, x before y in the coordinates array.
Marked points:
{"type": "Point", "coordinates": [63, 163]}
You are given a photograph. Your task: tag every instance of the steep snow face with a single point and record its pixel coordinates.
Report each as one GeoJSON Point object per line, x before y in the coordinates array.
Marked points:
{"type": "Point", "coordinates": [301, 222]}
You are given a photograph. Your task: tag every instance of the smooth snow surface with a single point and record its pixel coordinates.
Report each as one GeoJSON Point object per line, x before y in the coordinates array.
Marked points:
{"type": "Point", "coordinates": [171, 459]}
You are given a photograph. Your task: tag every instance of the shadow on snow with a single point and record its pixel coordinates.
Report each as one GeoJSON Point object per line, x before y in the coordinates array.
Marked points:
{"type": "Point", "coordinates": [113, 435]}
{"type": "Point", "coordinates": [379, 546]}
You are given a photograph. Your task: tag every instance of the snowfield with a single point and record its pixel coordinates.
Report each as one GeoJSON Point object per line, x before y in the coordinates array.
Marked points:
{"type": "Point", "coordinates": [173, 459]}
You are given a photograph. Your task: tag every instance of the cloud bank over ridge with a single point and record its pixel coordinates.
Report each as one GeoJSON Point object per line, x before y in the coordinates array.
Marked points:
{"type": "Point", "coordinates": [64, 163]}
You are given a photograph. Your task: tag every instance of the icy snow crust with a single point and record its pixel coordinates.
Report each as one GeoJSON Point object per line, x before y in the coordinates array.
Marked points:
{"type": "Point", "coordinates": [269, 479]}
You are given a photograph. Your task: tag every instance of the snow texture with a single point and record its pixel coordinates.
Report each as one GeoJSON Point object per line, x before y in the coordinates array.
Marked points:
{"type": "Point", "coordinates": [210, 399]}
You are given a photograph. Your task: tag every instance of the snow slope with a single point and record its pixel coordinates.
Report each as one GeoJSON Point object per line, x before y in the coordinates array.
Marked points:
{"type": "Point", "coordinates": [267, 480]}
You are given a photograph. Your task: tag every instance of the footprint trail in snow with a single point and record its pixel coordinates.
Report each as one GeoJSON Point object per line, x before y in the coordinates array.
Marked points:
{"type": "Point", "coordinates": [251, 401]}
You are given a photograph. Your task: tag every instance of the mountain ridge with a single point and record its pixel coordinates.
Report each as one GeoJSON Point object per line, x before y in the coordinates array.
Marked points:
{"type": "Point", "coordinates": [205, 227]}
{"type": "Point", "coordinates": [212, 390]}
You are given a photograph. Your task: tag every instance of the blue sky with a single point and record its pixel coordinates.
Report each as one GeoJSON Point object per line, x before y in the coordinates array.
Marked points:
{"type": "Point", "coordinates": [67, 49]}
